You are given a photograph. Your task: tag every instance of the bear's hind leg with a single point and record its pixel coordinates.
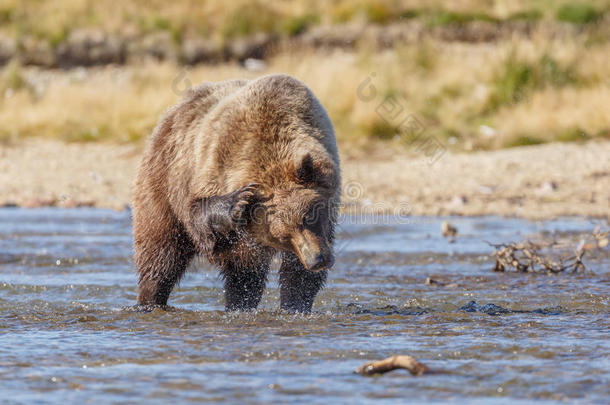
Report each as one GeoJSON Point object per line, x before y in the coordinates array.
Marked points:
{"type": "Point", "coordinates": [298, 286]}
{"type": "Point", "coordinates": [161, 257]}
{"type": "Point", "coordinates": [244, 286]}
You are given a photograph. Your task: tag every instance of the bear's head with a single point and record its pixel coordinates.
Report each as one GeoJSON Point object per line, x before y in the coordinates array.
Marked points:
{"type": "Point", "coordinates": [298, 213]}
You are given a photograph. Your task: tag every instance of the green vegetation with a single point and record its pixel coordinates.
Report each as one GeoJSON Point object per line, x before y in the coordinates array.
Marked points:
{"type": "Point", "coordinates": [523, 141]}
{"type": "Point", "coordinates": [249, 19]}
{"type": "Point", "coordinates": [5, 138]}
{"type": "Point", "coordinates": [57, 37]}
{"type": "Point", "coordinates": [517, 79]}
{"type": "Point", "coordinates": [525, 15]}
{"type": "Point", "coordinates": [382, 129]}
{"type": "Point", "coordinates": [85, 135]}
{"type": "Point", "coordinates": [156, 23]}
{"type": "Point", "coordinates": [572, 135]}
{"type": "Point", "coordinates": [6, 14]}
{"type": "Point", "coordinates": [12, 78]}
{"type": "Point", "coordinates": [298, 25]}
{"type": "Point", "coordinates": [258, 17]}
{"type": "Point", "coordinates": [53, 21]}
{"type": "Point", "coordinates": [579, 13]}
{"type": "Point", "coordinates": [451, 91]}
{"type": "Point", "coordinates": [379, 12]}
{"type": "Point", "coordinates": [424, 57]}
{"type": "Point", "coordinates": [409, 14]}
{"type": "Point", "coordinates": [441, 18]}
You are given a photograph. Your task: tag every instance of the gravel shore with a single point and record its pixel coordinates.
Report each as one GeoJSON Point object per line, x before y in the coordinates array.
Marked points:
{"type": "Point", "coordinates": [543, 181]}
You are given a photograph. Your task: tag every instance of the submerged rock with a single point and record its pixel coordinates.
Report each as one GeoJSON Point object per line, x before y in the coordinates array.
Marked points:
{"type": "Point", "coordinates": [493, 309]}
{"type": "Point", "coordinates": [489, 309]}
{"type": "Point", "coordinates": [448, 230]}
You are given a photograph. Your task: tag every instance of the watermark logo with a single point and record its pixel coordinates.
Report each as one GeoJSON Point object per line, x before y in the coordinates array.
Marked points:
{"type": "Point", "coordinates": [181, 83]}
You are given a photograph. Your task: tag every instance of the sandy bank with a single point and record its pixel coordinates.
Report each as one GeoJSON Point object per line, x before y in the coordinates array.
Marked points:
{"type": "Point", "coordinates": [533, 182]}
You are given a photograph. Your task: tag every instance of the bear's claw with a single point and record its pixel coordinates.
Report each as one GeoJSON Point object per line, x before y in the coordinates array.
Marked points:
{"type": "Point", "coordinates": [244, 199]}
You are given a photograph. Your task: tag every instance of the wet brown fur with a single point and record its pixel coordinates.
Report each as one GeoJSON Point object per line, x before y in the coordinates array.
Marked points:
{"type": "Point", "coordinates": [272, 132]}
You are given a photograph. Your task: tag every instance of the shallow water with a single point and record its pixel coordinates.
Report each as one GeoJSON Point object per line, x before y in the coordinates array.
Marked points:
{"type": "Point", "coordinates": [65, 276]}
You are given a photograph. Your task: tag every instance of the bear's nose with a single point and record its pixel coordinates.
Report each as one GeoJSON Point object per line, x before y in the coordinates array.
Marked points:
{"type": "Point", "coordinates": [313, 252]}
{"type": "Point", "coordinates": [321, 261]}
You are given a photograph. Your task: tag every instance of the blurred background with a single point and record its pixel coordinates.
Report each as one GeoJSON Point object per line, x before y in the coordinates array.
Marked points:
{"type": "Point", "coordinates": [473, 75]}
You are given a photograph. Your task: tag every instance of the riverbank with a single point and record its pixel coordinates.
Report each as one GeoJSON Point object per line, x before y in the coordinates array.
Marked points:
{"type": "Point", "coordinates": [541, 181]}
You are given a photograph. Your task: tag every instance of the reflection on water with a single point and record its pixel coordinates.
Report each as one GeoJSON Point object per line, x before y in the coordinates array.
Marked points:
{"type": "Point", "coordinates": [65, 276]}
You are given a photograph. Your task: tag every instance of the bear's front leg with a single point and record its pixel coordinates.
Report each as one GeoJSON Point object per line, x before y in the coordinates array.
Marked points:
{"type": "Point", "coordinates": [162, 254]}
{"type": "Point", "coordinates": [298, 286]}
{"type": "Point", "coordinates": [245, 283]}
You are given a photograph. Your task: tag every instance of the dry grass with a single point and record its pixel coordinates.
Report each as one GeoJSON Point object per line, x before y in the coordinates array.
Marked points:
{"type": "Point", "coordinates": [468, 95]}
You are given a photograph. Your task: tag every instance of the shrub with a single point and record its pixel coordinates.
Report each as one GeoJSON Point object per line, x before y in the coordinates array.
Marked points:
{"type": "Point", "coordinates": [298, 25]}
{"type": "Point", "coordinates": [453, 18]}
{"type": "Point", "coordinates": [92, 134]}
{"type": "Point", "coordinates": [378, 12]}
{"type": "Point", "coordinates": [249, 19]}
{"type": "Point", "coordinates": [572, 135]}
{"type": "Point", "coordinates": [12, 78]}
{"type": "Point", "coordinates": [578, 13]}
{"type": "Point", "coordinates": [524, 140]}
{"type": "Point", "coordinates": [526, 15]}
{"type": "Point", "coordinates": [381, 129]}
{"type": "Point", "coordinates": [517, 79]}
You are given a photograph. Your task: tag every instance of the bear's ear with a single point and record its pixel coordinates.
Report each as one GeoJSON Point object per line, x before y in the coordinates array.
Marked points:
{"type": "Point", "coordinates": [306, 173]}
{"type": "Point", "coordinates": [319, 173]}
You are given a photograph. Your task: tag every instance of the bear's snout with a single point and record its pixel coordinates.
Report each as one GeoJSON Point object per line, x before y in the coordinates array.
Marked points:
{"type": "Point", "coordinates": [314, 254]}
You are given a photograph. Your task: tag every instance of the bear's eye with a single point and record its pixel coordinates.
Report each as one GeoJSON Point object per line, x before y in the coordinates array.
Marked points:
{"type": "Point", "coordinates": [308, 219]}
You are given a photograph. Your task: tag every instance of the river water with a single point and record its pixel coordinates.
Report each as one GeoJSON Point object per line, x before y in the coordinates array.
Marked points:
{"type": "Point", "coordinates": [66, 276]}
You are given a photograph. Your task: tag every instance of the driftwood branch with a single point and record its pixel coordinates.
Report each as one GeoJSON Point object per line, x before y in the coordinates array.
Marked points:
{"type": "Point", "coordinates": [550, 257]}
{"type": "Point", "coordinates": [393, 363]}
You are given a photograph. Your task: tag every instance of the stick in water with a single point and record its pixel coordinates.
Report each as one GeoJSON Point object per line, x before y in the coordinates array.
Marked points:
{"type": "Point", "coordinates": [392, 363]}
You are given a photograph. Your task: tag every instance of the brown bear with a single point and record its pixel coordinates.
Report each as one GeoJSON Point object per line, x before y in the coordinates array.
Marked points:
{"type": "Point", "coordinates": [239, 171]}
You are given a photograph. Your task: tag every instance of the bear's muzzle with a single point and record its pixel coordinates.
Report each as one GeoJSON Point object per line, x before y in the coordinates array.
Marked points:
{"type": "Point", "coordinates": [314, 253]}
